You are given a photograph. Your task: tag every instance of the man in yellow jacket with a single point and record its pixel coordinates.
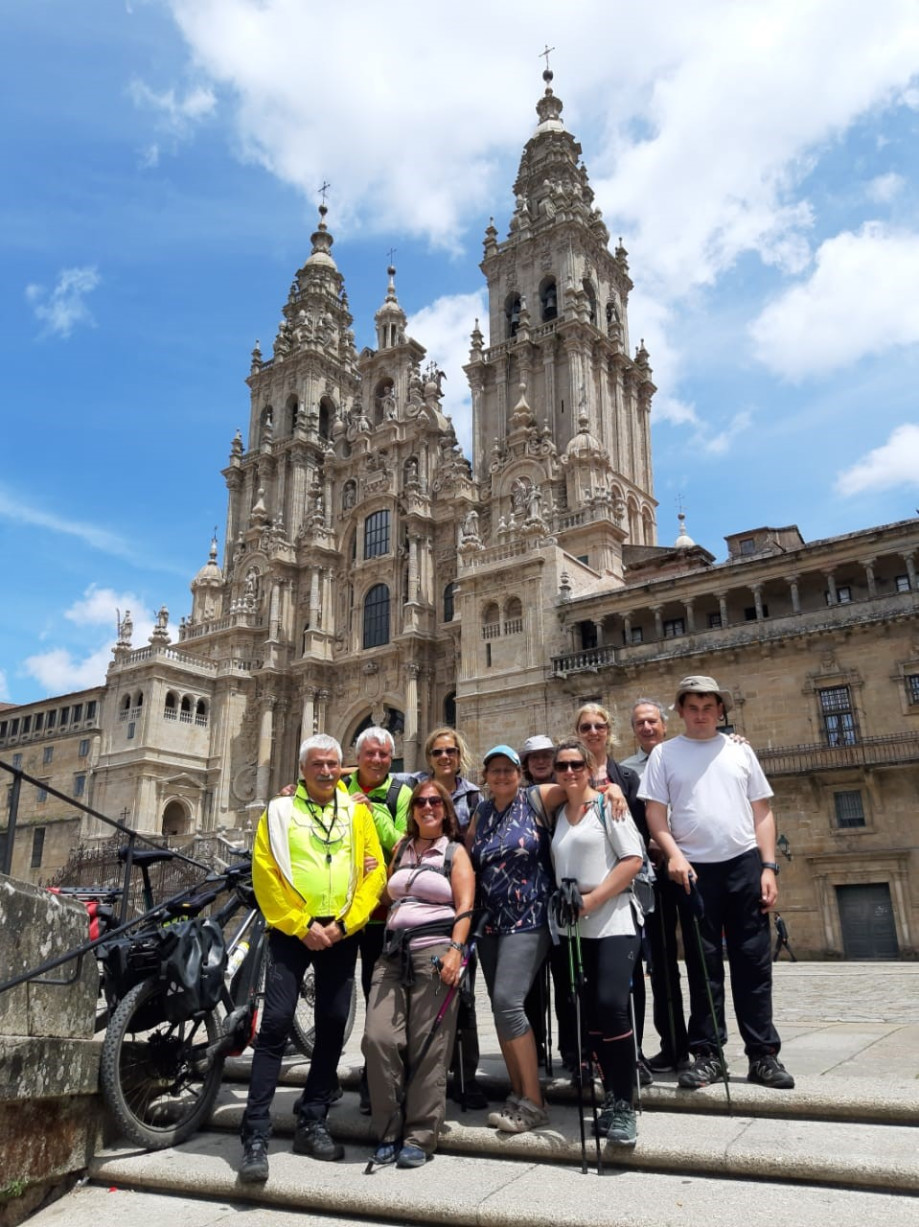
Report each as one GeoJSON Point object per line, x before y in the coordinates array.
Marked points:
{"type": "Point", "coordinates": [318, 873]}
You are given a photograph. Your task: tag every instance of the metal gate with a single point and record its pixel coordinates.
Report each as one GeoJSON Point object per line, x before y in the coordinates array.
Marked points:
{"type": "Point", "coordinates": [866, 917]}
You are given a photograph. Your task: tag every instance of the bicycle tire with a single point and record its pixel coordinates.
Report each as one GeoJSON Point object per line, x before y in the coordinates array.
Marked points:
{"type": "Point", "coordinates": [155, 1076]}
{"type": "Point", "coordinates": [303, 1029]}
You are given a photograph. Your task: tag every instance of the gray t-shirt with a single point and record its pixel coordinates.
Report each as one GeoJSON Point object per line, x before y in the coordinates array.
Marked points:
{"type": "Point", "coordinates": [587, 852]}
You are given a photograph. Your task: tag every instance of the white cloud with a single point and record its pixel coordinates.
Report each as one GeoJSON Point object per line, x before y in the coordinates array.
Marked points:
{"type": "Point", "coordinates": [149, 157]}
{"type": "Point", "coordinates": [17, 510]}
{"type": "Point", "coordinates": [895, 463]}
{"type": "Point", "coordinates": [720, 444]}
{"type": "Point", "coordinates": [4, 688]}
{"type": "Point", "coordinates": [176, 114]}
{"type": "Point", "coordinates": [859, 300]}
{"type": "Point", "coordinates": [445, 326]}
{"type": "Point", "coordinates": [884, 188]}
{"type": "Point", "coordinates": [97, 607]}
{"type": "Point", "coordinates": [58, 671]}
{"type": "Point", "coordinates": [65, 306]}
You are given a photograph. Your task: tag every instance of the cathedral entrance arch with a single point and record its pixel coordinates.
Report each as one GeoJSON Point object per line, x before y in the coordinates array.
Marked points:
{"type": "Point", "coordinates": [177, 818]}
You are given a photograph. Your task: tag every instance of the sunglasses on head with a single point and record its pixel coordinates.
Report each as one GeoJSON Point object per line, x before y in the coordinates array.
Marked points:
{"type": "Point", "coordinates": [571, 764]}
{"type": "Point", "coordinates": [427, 802]}
{"type": "Point", "coordinates": [444, 752]}
{"type": "Point", "coordinates": [597, 727]}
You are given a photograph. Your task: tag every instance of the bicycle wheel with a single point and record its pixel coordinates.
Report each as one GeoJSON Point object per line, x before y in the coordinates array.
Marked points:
{"type": "Point", "coordinates": [156, 1076]}
{"type": "Point", "coordinates": [303, 1031]}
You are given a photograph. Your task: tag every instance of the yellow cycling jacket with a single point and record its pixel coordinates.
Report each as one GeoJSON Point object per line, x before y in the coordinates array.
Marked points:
{"type": "Point", "coordinates": [282, 905]}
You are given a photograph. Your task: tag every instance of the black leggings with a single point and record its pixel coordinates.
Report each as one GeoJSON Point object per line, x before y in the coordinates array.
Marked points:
{"type": "Point", "coordinates": [609, 964]}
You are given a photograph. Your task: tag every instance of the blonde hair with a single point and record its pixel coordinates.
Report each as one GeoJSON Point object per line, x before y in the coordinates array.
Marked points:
{"type": "Point", "coordinates": [465, 759]}
{"type": "Point", "coordinates": [604, 715]}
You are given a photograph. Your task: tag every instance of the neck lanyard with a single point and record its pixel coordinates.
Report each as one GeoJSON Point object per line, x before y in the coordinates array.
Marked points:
{"type": "Point", "coordinates": [315, 813]}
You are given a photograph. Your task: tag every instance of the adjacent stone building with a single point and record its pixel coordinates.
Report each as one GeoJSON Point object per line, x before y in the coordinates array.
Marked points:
{"type": "Point", "coordinates": [372, 574]}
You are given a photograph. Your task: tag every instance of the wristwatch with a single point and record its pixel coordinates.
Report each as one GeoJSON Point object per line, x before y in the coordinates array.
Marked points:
{"type": "Point", "coordinates": [771, 865]}
{"type": "Point", "coordinates": [341, 925]}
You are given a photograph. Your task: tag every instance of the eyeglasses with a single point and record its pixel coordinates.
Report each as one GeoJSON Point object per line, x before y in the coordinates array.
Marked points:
{"type": "Point", "coordinates": [593, 728]}
{"type": "Point", "coordinates": [571, 764]}
{"type": "Point", "coordinates": [444, 753]}
{"type": "Point", "coordinates": [426, 802]}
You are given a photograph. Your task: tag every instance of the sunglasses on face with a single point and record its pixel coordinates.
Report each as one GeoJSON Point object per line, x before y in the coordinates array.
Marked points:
{"type": "Point", "coordinates": [570, 764]}
{"type": "Point", "coordinates": [444, 753]}
{"type": "Point", "coordinates": [598, 727]}
{"type": "Point", "coordinates": [425, 802]}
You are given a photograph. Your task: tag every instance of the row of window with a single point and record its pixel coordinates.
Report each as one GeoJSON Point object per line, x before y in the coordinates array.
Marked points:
{"type": "Point", "coordinates": [48, 754]}
{"type": "Point", "coordinates": [43, 721]}
{"type": "Point", "coordinates": [78, 789]}
{"type": "Point", "coordinates": [183, 711]}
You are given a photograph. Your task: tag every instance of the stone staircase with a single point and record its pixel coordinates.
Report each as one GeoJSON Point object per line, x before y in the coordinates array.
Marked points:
{"type": "Point", "coordinates": [805, 1157]}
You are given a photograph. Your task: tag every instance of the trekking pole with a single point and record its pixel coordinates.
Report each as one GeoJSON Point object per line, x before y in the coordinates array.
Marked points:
{"type": "Point", "coordinates": [635, 1042]}
{"type": "Point", "coordinates": [435, 1027]}
{"type": "Point", "coordinates": [547, 988]}
{"type": "Point", "coordinates": [697, 910]}
{"type": "Point", "coordinates": [571, 902]}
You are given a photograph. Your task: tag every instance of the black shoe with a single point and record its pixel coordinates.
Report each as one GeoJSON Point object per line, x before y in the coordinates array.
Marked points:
{"type": "Point", "coordinates": [313, 1138]}
{"type": "Point", "coordinates": [645, 1077]}
{"type": "Point", "coordinates": [768, 1070]}
{"type": "Point", "coordinates": [663, 1063]}
{"type": "Point", "coordinates": [472, 1098]}
{"type": "Point", "coordinates": [705, 1070]}
{"type": "Point", "coordinates": [254, 1167]}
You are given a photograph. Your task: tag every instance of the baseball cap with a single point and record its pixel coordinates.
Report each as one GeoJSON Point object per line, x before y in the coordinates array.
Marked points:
{"type": "Point", "coordinates": [507, 751]}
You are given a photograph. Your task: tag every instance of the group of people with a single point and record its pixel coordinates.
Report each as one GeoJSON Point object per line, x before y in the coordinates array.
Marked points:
{"type": "Point", "coordinates": [421, 874]}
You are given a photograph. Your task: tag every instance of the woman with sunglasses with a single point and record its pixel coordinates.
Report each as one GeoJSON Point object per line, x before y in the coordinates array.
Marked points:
{"type": "Point", "coordinates": [448, 759]}
{"type": "Point", "coordinates": [432, 887]}
{"type": "Point", "coordinates": [602, 857]}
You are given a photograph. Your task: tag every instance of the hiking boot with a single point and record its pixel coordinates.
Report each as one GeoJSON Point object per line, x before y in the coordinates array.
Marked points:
{"type": "Point", "coordinates": [313, 1138]}
{"type": "Point", "coordinates": [705, 1069]}
{"type": "Point", "coordinates": [645, 1077]}
{"type": "Point", "coordinates": [254, 1167]}
{"type": "Point", "coordinates": [526, 1116]}
{"type": "Point", "coordinates": [663, 1063]}
{"type": "Point", "coordinates": [622, 1129]}
{"type": "Point", "coordinates": [605, 1114]}
{"type": "Point", "coordinates": [768, 1070]}
{"type": "Point", "coordinates": [385, 1153]}
{"type": "Point", "coordinates": [412, 1156]}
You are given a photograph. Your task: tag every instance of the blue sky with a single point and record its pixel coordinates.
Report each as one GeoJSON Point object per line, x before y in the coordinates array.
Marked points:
{"type": "Point", "coordinates": [161, 161]}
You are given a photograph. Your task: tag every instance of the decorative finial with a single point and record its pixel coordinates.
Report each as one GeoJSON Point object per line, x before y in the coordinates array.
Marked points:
{"type": "Point", "coordinates": [547, 73]}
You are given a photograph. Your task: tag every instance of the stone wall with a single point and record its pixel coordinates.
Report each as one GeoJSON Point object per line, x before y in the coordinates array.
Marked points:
{"type": "Point", "coordinates": [50, 1114]}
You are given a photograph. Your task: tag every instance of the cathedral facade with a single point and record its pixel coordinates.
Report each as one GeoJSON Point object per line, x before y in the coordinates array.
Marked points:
{"type": "Point", "coordinates": [372, 574]}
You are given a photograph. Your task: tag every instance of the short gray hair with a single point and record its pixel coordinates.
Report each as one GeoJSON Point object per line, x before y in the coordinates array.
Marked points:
{"type": "Point", "coordinates": [375, 733]}
{"type": "Point", "coordinates": [648, 703]}
{"type": "Point", "coordinates": [319, 741]}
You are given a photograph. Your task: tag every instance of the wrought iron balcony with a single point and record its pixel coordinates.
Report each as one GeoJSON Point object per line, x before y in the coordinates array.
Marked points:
{"type": "Point", "coordinates": [887, 751]}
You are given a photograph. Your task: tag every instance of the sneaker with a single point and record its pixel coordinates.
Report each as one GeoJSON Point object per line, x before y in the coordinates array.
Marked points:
{"type": "Point", "coordinates": [385, 1153]}
{"type": "Point", "coordinates": [605, 1114]}
{"type": "Point", "coordinates": [663, 1063]}
{"type": "Point", "coordinates": [412, 1156]}
{"type": "Point", "coordinates": [622, 1129]}
{"type": "Point", "coordinates": [521, 1119]}
{"type": "Point", "coordinates": [254, 1167]}
{"type": "Point", "coordinates": [645, 1077]}
{"type": "Point", "coordinates": [705, 1069]}
{"type": "Point", "coordinates": [313, 1138]}
{"type": "Point", "coordinates": [768, 1070]}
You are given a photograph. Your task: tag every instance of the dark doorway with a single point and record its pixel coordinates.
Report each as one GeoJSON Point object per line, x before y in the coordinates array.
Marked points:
{"type": "Point", "coordinates": [866, 917]}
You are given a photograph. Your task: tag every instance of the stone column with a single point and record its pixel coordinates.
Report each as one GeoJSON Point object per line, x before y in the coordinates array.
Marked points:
{"type": "Point", "coordinates": [410, 737]}
{"type": "Point", "coordinates": [723, 608]}
{"type": "Point", "coordinates": [910, 559]}
{"type": "Point", "coordinates": [690, 616]}
{"type": "Point", "coordinates": [868, 564]}
{"type": "Point", "coordinates": [325, 601]}
{"type": "Point", "coordinates": [627, 629]}
{"type": "Point", "coordinates": [307, 718]}
{"type": "Point", "coordinates": [327, 503]}
{"type": "Point", "coordinates": [598, 623]}
{"type": "Point", "coordinates": [265, 741]}
{"type": "Point", "coordinates": [413, 568]}
{"type": "Point", "coordinates": [314, 598]}
{"type": "Point", "coordinates": [274, 609]}
{"type": "Point", "coordinates": [758, 601]}
{"type": "Point", "coordinates": [832, 598]}
{"type": "Point", "coordinates": [792, 581]}
{"type": "Point", "coordinates": [658, 621]}
{"type": "Point", "coordinates": [322, 700]}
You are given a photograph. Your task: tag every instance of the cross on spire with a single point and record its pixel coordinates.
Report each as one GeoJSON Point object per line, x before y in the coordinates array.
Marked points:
{"type": "Point", "coordinates": [547, 51]}
{"type": "Point", "coordinates": [323, 190]}
{"type": "Point", "coordinates": [392, 252]}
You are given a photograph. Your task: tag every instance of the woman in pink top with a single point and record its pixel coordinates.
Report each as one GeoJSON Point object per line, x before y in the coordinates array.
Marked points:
{"type": "Point", "coordinates": [432, 888]}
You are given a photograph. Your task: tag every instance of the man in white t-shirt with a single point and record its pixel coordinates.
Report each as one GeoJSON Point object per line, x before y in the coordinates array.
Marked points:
{"type": "Point", "coordinates": [721, 836]}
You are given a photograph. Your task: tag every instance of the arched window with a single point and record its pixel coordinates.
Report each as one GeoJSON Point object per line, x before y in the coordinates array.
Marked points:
{"type": "Point", "coordinates": [266, 419]}
{"type": "Point", "coordinates": [548, 300]}
{"type": "Point", "coordinates": [449, 601]}
{"type": "Point", "coordinates": [450, 709]}
{"type": "Point", "coordinates": [491, 621]}
{"type": "Point", "coordinates": [511, 315]}
{"type": "Point", "coordinates": [292, 405]}
{"type": "Point", "coordinates": [201, 714]}
{"type": "Point", "coordinates": [175, 819]}
{"type": "Point", "coordinates": [591, 301]}
{"type": "Point", "coordinates": [185, 710]}
{"type": "Point", "coordinates": [326, 413]}
{"type": "Point", "coordinates": [513, 616]}
{"type": "Point", "coordinates": [376, 534]}
{"type": "Point", "coordinates": [376, 616]}
{"type": "Point", "coordinates": [170, 707]}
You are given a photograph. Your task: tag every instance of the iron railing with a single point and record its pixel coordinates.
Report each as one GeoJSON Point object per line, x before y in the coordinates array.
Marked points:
{"type": "Point", "coordinates": [889, 751]}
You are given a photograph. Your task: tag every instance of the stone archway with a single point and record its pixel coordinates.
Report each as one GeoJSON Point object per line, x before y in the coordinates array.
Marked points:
{"type": "Point", "coordinates": [176, 818]}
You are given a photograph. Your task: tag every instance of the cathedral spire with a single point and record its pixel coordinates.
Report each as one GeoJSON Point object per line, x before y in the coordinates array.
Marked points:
{"type": "Point", "coordinates": [390, 320]}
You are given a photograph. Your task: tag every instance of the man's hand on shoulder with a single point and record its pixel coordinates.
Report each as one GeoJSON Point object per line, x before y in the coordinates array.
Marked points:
{"type": "Point", "coordinates": [288, 790]}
